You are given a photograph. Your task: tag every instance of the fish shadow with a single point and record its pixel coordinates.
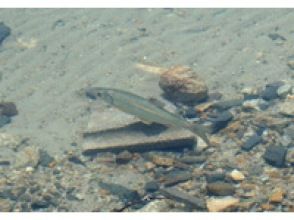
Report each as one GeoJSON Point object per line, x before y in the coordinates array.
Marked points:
{"type": "Point", "coordinates": [147, 129]}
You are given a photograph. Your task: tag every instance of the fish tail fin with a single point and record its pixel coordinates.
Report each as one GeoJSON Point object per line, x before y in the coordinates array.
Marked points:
{"type": "Point", "coordinates": [201, 132]}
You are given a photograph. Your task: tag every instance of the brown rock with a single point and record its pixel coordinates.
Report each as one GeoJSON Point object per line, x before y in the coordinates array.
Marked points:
{"type": "Point", "coordinates": [287, 108]}
{"type": "Point", "coordinates": [123, 157]}
{"type": "Point", "coordinates": [218, 205]}
{"type": "Point", "coordinates": [277, 196]}
{"type": "Point", "coordinates": [220, 189]}
{"type": "Point", "coordinates": [163, 161]}
{"type": "Point", "coordinates": [237, 175]}
{"type": "Point", "coordinates": [29, 156]}
{"type": "Point", "coordinates": [266, 207]}
{"type": "Point", "coordinates": [290, 64]}
{"type": "Point", "coordinates": [5, 206]}
{"type": "Point", "coordinates": [149, 165]}
{"type": "Point", "coordinates": [181, 84]}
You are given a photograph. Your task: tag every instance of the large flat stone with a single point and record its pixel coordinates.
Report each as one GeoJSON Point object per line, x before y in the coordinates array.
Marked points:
{"type": "Point", "coordinates": [116, 131]}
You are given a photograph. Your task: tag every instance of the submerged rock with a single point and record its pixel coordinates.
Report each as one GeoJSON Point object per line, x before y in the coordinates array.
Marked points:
{"type": "Point", "coordinates": [275, 155]}
{"type": "Point", "coordinates": [45, 158]}
{"type": "Point", "coordinates": [151, 186]}
{"type": "Point", "coordinates": [270, 91]}
{"type": "Point", "coordinates": [220, 120]}
{"type": "Point", "coordinates": [180, 84]}
{"type": "Point", "coordinates": [4, 32]}
{"type": "Point", "coordinates": [251, 142]}
{"type": "Point", "coordinates": [218, 205]}
{"type": "Point", "coordinates": [123, 157]}
{"type": "Point", "coordinates": [183, 197]}
{"type": "Point", "coordinates": [255, 104]}
{"type": "Point", "coordinates": [277, 195]}
{"type": "Point", "coordinates": [287, 108]}
{"type": "Point", "coordinates": [220, 189]}
{"type": "Point", "coordinates": [290, 155]}
{"type": "Point", "coordinates": [4, 120]}
{"type": "Point", "coordinates": [215, 177]}
{"type": "Point", "coordinates": [8, 109]}
{"type": "Point", "coordinates": [237, 175]}
{"type": "Point", "coordinates": [284, 90]}
{"type": "Point", "coordinates": [159, 205]}
{"type": "Point", "coordinates": [224, 105]}
{"type": "Point", "coordinates": [250, 93]}
{"type": "Point", "coordinates": [5, 205]}
{"type": "Point", "coordinates": [29, 156]}
{"type": "Point", "coordinates": [124, 194]}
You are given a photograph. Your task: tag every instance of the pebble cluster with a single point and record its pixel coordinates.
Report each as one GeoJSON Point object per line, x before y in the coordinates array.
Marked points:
{"type": "Point", "coordinates": [249, 167]}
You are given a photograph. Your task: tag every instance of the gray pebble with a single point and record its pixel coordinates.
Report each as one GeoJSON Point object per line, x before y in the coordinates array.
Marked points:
{"type": "Point", "coordinates": [284, 90]}
{"type": "Point", "coordinates": [275, 156]}
{"type": "Point", "coordinates": [151, 186]}
{"type": "Point", "coordinates": [45, 158]}
{"type": "Point", "coordinates": [4, 32]}
{"type": "Point", "coordinates": [251, 142]}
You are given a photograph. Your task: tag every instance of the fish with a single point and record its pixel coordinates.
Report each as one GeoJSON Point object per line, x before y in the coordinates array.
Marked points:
{"type": "Point", "coordinates": [144, 109]}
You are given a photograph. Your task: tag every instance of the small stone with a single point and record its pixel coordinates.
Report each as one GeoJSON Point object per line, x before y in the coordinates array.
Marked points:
{"type": "Point", "coordinates": [266, 206]}
{"type": "Point", "coordinates": [158, 205]}
{"type": "Point", "coordinates": [224, 105]}
{"type": "Point", "coordinates": [255, 104]}
{"type": "Point", "coordinates": [123, 157]}
{"type": "Point", "coordinates": [251, 142]}
{"type": "Point", "coordinates": [277, 196]}
{"type": "Point", "coordinates": [10, 141]}
{"type": "Point", "coordinates": [29, 156]}
{"type": "Point", "coordinates": [163, 161]}
{"type": "Point", "coordinates": [290, 156]}
{"type": "Point", "coordinates": [149, 165]}
{"type": "Point", "coordinates": [124, 194]}
{"type": "Point", "coordinates": [237, 175]}
{"type": "Point", "coordinates": [4, 120]}
{"type": "Point", "coordinates": [192, 159]}
{"type": "Point", "coordinates": [250, 93]}
{"type": "Point", "coordinates": [181, 84]}
{"type": "Point", "coordinates": [290, 64]}
{"type": "Point", "coordinates": [151, 186]}
{"type": "Point", "coordinates": [220, 120]}
{"type": "Point", "coordinates": [5, 205]}
{"type": "Point", "coordinates": [176, 177]}
{"type": "Point", "coordinates": [219, 205]}
{"type": "Point", "coordinates": [276, 36]}
{"type": "Point", "coordinates": [45, 158]}
{"type": "Point", "coordinates": [79, 196]}
{"type": "Point", "coordinates": [4, 32]}
{"type": "Point", "coordinates": [284, 90]}
{"type": "Point", "coordinates": [201, 144]}
{"type": "Point", "coordinates": [270, 91]}
{"type": "Point", "coordinates": [215, 96]}
{"type": "Point", "coordinates": [183, 197]}
{"type": "Point", "coordinates": [203, 107]}
{"type": "Point", "coordinates": [29, 169]}
{"type": "Point", "coordinates": [8, 109]}
{"type": "Point", "coordinates": [220, 189]}
{"type": "Point", "coordinates": [287, 108]}
{"type": "Point", "coordinates": [215, 177]}
{"type": "Point", "coordinates": [275, 155]}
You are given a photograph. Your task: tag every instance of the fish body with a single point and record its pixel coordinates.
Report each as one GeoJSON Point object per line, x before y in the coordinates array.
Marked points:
{"type": "Point", "coordinates": [144, 109]}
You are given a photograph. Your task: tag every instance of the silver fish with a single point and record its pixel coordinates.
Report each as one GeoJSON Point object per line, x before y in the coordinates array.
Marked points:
{"type": "Point", "coordinates": [144, 109]}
